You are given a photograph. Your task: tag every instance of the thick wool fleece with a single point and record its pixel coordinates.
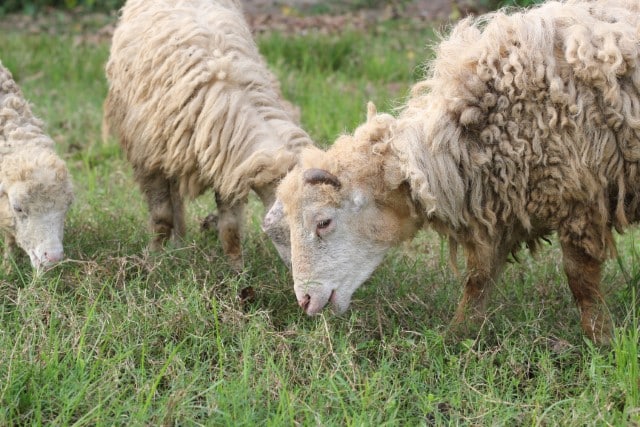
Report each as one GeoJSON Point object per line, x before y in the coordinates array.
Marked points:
{"type": "Point", "coordinates": [191, 98]}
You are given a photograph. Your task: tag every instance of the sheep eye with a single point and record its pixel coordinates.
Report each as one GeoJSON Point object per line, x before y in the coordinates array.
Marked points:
{"type": "Point", "coordinates": [321, 225]}
{"type": "Point", "coordinates": [18, 209]}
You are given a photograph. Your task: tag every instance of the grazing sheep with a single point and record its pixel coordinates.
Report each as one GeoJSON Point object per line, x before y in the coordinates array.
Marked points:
{"type": "Point", "coordinates": [35, 186]}
{"type": "Point", "coordinates": [526, 124]}
{"type": "Point", "coordinates": [195, 108]}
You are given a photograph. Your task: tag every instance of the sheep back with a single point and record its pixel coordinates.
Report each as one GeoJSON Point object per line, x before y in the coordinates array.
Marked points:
{"type": "Point", "coordinates": [191, 97]}
{"type": "Point", "coordinates": [527, 121]}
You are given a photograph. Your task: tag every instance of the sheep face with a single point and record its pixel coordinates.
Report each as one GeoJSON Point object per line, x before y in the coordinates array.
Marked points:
{"type": "Point", "coordinates": [333, 246]}
{"type": "Point", "coordinates": [339, 235]}
{"type": "Point", "coordinates": [34, 209]}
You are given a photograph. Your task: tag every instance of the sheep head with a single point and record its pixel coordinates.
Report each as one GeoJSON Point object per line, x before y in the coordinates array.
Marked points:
{"type": "Point", "coordinates": [35, 194]}
{"type": "Point", "coordinates": [345, 208]}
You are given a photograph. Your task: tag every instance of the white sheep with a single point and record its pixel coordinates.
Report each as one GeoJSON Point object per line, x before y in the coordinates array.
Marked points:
{"type": "Point", "coordinates": [526, 124]}
{"type": "Point", "coordinates": [35, 185]}
{"type": "Point", "coordinates": [195, 108]}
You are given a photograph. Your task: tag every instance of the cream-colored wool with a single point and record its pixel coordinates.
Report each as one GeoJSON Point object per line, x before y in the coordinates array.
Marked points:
{"type": "Point", "coordinates": [35, 185]}
{"type": "Point", "coordinates": [527, 123]}
{"type": "Point", "coordinates": [196, 108]}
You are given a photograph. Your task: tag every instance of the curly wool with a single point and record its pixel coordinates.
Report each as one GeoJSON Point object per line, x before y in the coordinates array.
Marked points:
{"type": "Point", "coordinates": [191, 98]}
{"type": "Point", "coordinates": [25, 151]}
{"type": "Point", "coordinates": [529, 123]}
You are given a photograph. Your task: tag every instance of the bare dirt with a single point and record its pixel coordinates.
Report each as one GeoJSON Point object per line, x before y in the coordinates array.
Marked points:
{"type": "Point", "coordinates": [295, 16]}
{"type": "Point", "coordinates": [285, 16]}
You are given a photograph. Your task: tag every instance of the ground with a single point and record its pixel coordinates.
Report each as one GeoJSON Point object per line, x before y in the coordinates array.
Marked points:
{"type": "Point", "coordinates": [329, 15]}
{"type": "Point", "coordinates": [286, 16]}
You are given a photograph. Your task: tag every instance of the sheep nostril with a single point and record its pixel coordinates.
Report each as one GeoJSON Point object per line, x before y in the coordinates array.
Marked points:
{"type": "Point", "coordinates": [53, 256]}
{"type": "Point", "coordinates": [304, 302]}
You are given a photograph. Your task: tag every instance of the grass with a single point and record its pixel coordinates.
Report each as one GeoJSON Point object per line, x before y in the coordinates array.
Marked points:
{"type": "Point", "coordinates": [115, 336]}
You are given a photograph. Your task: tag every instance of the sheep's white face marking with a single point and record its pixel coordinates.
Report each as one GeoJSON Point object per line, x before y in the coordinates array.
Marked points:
{"type": "Point", "coordinates": [334, 250]}
{"type": "Point", "coordinates": [38, 209]}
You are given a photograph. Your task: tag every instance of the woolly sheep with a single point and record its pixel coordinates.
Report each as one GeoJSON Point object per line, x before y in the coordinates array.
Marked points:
{"type": "Point", "coordinates": [526, 124]}
{"type": "Point", "coordinates": [195, 108]}
{"type": "Point", "coordinates": [35, 186]}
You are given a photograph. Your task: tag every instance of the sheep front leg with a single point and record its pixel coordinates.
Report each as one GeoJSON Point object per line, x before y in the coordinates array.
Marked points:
{"type": "Point", "coordinates": [9, 250]}
{"type": "Point", "coordinates": [583, 274]}
{"type": "Point", "coordinates": [482, 269]}
{"type": "Point", "coordinates": [230, 219]}
{"type": "Point", "coordinates": [472, 305]}
{"type": "Point", "coordinates": [165, 208]}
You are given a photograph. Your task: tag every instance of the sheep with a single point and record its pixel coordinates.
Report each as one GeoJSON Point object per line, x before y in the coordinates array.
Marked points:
{"type": "Point", "coordinates": [35, 185]}
{"type": "Point", "coordinates": [526, 124]}
{"type": "Point", "coordinates": [195, 107]}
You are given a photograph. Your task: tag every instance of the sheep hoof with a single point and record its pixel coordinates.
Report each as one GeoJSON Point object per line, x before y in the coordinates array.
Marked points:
{"type": "Point", "coordinates": [236, 262]}
{"type": "Point", "coordinates": [156, 245]}
{"type": "Point", "coordinates": [210, 222]}
{"type": "Point", "coordinates": [462, 330]}
{"type": "Point", "coordinates": [597, 325]}
{"type": "Point", "coordinates": [467, 324]}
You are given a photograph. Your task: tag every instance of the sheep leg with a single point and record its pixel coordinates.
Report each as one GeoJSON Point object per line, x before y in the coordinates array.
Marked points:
{"type": "Point", "coordinates": [583, 274]}
{"type": "Point", "coordinates": [473, 303]}
{"type": "Point", "coordinates": [230, 218]}
{"type": "Point", "coordinates": [158, 193]}
{"type": "Point", "coordinates": [177, 204]}
{"type": "Point", "coordinates": [9, 250]}
{"type": "Point", "coordinates": [482, 269]}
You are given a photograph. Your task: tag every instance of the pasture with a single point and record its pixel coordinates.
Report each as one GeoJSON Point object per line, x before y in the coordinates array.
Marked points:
{"type": "Point", "coordinates": [117, 336]}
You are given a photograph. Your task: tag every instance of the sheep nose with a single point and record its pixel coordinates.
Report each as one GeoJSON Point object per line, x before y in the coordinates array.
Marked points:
{"type": "Point", "coordinates": [53, 256]}
{"type": "Point", "coordinates": [304, 302]}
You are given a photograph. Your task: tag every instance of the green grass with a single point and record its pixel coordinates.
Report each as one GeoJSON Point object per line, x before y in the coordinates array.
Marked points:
{"type": "Point", "coordinates": [115, 336]}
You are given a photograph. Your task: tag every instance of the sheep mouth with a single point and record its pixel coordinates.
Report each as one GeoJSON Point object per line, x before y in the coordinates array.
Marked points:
{"type": "Point", "coordinates": [36, 262]}
{"type": "Point", "coordinates": [332, 300]}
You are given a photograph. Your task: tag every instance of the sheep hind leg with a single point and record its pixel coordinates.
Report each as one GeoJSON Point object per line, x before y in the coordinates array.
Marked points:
{"type": "Point", "coordinates": [229, 224]}
{"type": "Point", "coordinates": [177, 206]}
{"type": "Point", "coordinates": [583, 273]}
{"type": "Point", "coordinates": [158, 194]}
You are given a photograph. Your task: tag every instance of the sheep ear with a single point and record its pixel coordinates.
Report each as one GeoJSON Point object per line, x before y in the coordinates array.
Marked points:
{"type": "Point", "coordinates": [273, 217]}
{"type": "Point", "coordinates": [371, 111]}
{"type": "Point", "coordinates": [321, 176]}
{"type": "Point", "coordinates": [393, 175]}
{"type": "Point", "coordinates": [275, 226]}
{"type": "Point", "coordinates": [377, 127]}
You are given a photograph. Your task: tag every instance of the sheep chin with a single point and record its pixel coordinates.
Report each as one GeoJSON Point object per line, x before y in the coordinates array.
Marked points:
{"type": "Point", "coordinates": [339, 302]}
{"type": "Point", "coordinates": [38, 265]}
